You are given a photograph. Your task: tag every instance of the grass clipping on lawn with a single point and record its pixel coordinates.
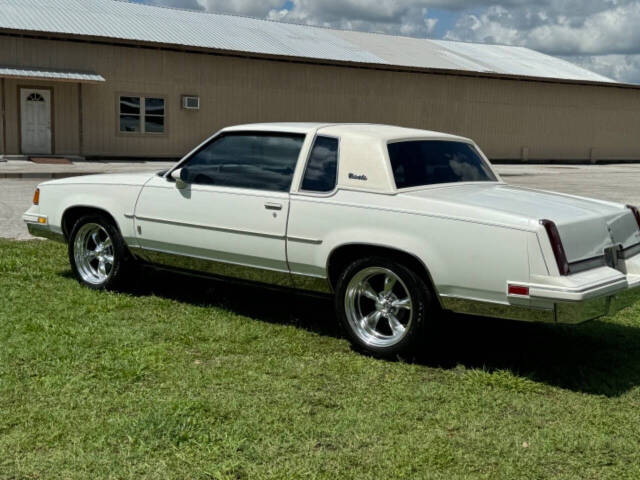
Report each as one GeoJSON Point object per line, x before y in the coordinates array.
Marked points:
{"type": "Point", "coordinates": [186, 378]}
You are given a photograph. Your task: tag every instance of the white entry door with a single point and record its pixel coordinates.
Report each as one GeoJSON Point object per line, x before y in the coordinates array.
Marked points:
{"type": "Point", "coordinates": [35, 115]}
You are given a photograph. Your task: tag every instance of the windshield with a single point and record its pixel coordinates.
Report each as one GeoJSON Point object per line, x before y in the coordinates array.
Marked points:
{"type": "Point", "coordinates": [429, 162]}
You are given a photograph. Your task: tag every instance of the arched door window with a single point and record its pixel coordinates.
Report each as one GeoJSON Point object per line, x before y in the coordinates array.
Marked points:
{"type": "Point", "coordinates": [35, 97]}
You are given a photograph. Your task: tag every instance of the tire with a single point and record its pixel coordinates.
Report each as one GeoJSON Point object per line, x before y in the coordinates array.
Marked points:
{"type": "Point", "coordinates": [384, 307]}
{"type": "Point", "coordinates": [98, 256]}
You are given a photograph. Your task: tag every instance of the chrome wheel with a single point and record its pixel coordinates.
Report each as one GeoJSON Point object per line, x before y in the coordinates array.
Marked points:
{"type": "Point", "coordinates": [378, 307]}
{"type": "Point", "coordinates": [93, 253]}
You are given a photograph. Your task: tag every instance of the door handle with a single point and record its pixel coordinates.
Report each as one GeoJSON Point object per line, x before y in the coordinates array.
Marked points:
{"type": "Point", "coordinates": [273, 206]}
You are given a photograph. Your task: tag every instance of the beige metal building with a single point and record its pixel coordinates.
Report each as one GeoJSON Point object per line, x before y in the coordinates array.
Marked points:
{"type": "Point", "coordinates": [105, 78]}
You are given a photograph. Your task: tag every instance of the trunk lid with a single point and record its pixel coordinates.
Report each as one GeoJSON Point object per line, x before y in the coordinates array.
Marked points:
{"type": "Point", "coordinates": [586, 226]}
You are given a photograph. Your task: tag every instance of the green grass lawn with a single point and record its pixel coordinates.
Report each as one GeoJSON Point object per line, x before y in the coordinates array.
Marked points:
{"type": "Point", "coordinates": [191, 379]}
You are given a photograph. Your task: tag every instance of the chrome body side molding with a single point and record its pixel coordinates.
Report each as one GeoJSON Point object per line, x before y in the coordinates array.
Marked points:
{"type": "Point", "coordinates": [208, 227]}
{"type": "Point", "coordinates": [311, 241]}
{"type": "Point", "coordinates": [216, 268]}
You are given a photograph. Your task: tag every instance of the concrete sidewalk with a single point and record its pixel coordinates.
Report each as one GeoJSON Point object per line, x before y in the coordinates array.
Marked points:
{"type": "Point", "coordinates": [21, 169]}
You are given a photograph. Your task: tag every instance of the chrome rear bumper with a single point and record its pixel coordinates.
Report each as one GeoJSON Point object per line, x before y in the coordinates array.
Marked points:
{"type": "Point", "coordinates": [560, 312]}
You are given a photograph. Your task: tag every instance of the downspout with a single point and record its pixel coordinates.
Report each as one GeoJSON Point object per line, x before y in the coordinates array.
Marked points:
{"type": "Point", "coordinates": [80, 122]}
{"type": "Point", "coordinates": [3, 93]}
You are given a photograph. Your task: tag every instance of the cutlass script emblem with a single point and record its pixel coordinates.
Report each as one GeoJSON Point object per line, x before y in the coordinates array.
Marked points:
{"type": "Point", "coordinates": [353, 176]}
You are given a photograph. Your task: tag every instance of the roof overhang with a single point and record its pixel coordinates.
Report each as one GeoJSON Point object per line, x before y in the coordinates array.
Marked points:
{"type": "Point", "coordinates": [31, 73]}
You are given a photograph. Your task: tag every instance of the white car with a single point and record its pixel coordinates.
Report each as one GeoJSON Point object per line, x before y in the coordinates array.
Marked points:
{"type": "Point", "coordinates": [398, 224]}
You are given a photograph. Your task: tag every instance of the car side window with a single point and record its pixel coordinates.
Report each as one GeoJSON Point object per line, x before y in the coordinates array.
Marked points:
{"type": "Point", "coordinates": [322, 167]}
{"type": "Point", "coordinates": [256, 160]}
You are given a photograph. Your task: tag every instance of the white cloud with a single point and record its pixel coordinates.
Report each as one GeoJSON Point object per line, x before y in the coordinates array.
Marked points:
{"type": "Point", "coordinates": [405, 17]}
{"type": "Point", "coordinates": [251, 8]}
{"type": "Point", "coordinates": [599, 35]}
{"type": "Point", "coordinates": [625, 68]}
{"type": "Point", "coordinates": [555, 29]}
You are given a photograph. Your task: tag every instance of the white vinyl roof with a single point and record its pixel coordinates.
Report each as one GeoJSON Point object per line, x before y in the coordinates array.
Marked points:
{"type": "Point", "coordinates": [135, 22]}
{"type": "Point", "coordinates": [45, 74]}
{"type": "Point", "coordinates": [363, 130]}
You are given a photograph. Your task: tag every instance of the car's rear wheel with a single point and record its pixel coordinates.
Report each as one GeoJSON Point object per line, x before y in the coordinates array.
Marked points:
{"type": "Point", "coordinates": [384, 307]}
{"type": "Point", "coordinates": [98, 255]}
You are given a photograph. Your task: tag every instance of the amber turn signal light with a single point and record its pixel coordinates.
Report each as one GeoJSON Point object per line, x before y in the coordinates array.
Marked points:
{"type": "Point", "coordinates": [36, 197]}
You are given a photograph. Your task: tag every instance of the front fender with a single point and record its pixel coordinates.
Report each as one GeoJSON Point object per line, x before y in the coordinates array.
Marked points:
{"type": "Point", "coordinates": [116, 200]}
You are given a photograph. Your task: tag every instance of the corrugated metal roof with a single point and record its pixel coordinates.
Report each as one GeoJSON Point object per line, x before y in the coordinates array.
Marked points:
{"type": "Point", "coordinates": [135, 22]}
{"type": "Point", "coordinates": [44, 74]}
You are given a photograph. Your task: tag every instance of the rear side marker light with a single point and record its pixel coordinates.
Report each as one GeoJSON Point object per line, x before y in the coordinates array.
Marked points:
{"type": "Point", "coordinates": [36, 197]}
{"type": "Point", "coordinates": [518, 290]}
{"type": "Point", "coordinates": [636, 213]}
{"type": "Point", "coordinates": [556, 246]}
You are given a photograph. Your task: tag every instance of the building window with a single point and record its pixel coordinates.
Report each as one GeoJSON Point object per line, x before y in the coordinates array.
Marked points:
{"type": "Point", "coordinates": [35, 97]}
{"type": "Point", "coordinates": [142, 114]}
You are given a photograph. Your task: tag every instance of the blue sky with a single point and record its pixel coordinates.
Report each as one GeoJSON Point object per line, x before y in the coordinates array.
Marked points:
{"type": "Point", "coordinates": [601, 35]}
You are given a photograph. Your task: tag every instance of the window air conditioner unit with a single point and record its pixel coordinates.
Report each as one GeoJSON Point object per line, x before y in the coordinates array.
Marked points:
{"type": "Point", "coordinates": [190, 102]}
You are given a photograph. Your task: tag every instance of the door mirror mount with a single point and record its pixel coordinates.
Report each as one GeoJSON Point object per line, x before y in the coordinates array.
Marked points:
{"type": "Point", "coordinates": [177, 176]}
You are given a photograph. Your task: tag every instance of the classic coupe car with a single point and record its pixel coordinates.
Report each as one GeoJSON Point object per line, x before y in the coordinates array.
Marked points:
{"type": "Point", "coordinates": [397, 224]}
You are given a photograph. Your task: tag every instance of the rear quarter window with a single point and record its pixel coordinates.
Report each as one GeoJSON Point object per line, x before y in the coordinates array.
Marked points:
{"type": "Point", "coordinates": [429, 162]}
{"type": "Point", "coordinates": [322, 167]}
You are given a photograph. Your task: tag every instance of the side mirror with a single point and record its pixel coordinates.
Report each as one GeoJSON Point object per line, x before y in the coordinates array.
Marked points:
{"type": "Point", "coordinates": [177, 176]}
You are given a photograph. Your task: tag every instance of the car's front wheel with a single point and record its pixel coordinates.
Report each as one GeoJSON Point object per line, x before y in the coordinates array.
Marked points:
{"type": "Point", "coordinates": [384, 307]}
{"type": "Point", "coordinates": [98, 255]}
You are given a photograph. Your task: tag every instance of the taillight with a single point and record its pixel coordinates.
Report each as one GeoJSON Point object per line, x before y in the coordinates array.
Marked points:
{"type": "Point", "coordinates": [518, 290]}
{"type": "Point", "coordinates": [556, 246]}
{"type": "Point", "coordinates": [636, 213]}
{"type": "Point", "coordinates": [36, 197]}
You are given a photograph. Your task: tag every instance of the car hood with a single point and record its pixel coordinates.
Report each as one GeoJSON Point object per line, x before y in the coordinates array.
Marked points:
{"type": "Point", "coordinates": [132, 179]}
{"type": "Point", "coordinates": [586, 226]}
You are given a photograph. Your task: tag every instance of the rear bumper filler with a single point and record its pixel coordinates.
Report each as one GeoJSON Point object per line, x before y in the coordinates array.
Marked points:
{"type": "Point", "coordinates": [557, 305]}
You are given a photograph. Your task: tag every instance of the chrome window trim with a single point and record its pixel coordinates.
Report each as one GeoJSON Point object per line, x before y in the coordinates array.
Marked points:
{"type": "Point", "coordinates": [311, 193]}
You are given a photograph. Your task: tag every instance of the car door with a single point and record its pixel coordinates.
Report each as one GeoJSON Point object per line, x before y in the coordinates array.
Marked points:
{"type": "Point", "coordinates": [227, 215]}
